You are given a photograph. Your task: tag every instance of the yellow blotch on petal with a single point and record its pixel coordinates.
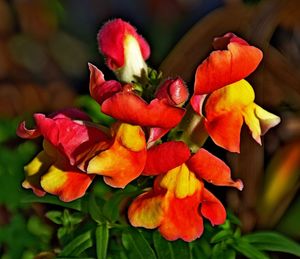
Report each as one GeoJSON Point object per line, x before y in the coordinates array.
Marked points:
{"type": "Point", "coordinates": [181, 181]}
{"type": "Point", "coordinates": [234, 96]}
{"type": "Point", "coordinates": [53, 180]}
{"type": "Point", "coordinates": [132, 137]}
{"type": "Point", "coordinates": [146, 212]}
{"type": "Point", "coordinates": [38, 165]}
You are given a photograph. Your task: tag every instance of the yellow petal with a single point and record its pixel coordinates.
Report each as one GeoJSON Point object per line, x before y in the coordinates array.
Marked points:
{"type": "Point", "coordinates": [267, 120]}
{"type": "Point", "coordinates": [252, 122]}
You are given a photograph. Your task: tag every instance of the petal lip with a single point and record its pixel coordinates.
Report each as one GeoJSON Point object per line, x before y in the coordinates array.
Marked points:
{"type": "Point", "coordinates": [224, 67]}
{"type": "Point", "coordinates": [131, 108]}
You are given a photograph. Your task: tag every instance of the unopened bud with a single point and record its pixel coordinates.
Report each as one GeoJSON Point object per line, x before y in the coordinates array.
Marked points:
{"type": "Point", "coordinates": [174, 90]}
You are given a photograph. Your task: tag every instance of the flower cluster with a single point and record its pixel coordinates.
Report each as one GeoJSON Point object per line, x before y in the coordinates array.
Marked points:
{"type": "Point", "coordinates": [145, 108]}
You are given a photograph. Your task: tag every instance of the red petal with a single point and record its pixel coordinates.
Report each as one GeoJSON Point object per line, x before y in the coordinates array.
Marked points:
{"type": "Point", "coordinates": [212, 169]}
{"type": "Point", "coordinates": [165, 157]}
{"type": "Point", "coordinates": [99, 88]}
{"type": "Point", "coordinates": [224, 67]}
{"type": "Point", "coordinates": [212, 208]}
{"type": "Point", "coordinates": [23, 132]}
{"type": "Point", "coordinates": [182, 219]}
{"type": "Point", "coordinates": [131, 108]}
{"type": "Point", "coordinates": [70, 137]}
{"type": "Point", "coordinates": [111, 40]}
{"type": "Point", "coordinates": [225, 130]}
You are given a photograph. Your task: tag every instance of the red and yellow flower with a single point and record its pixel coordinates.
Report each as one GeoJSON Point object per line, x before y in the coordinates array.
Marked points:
{"type": "Point", "coordinates": [72, 147]}
{"type": "Point", "coordinates": [178, 200]}
{"type": "Point", "coordinates": [224, 98]}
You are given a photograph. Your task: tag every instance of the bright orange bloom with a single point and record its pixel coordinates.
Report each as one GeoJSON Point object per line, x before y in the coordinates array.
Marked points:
{"type": "Point", "coordinates": [75, 150]}
{"type": "Point", "coordinates": [178, 200]}
{"type": "Point", "coordinates": [225, 99]}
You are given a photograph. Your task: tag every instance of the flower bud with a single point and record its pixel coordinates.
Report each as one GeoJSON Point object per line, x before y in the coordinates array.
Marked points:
{"type": "Point", "coordinates": [125, 50]}
{"type": "Point", "coordinates": [174, 90]}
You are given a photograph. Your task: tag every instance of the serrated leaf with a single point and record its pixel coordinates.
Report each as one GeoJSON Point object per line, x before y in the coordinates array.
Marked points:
{"type": "Point", "coordinates": [78, 245]}
{"type": "Point", "coordinates": [136, 245]}
{"type": "Point", "coordinates": [162, 247]}
{"type": "Point", "coordinates": [248, 250]}
{"type": "Point", "coordinates": [272, 241]}
{"type": "Point", "coordinates": [102, 237]}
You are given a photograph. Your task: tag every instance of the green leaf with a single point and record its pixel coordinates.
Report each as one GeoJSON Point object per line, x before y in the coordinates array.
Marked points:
{"type": "Point", "coordinates": [221, 235]}
{"type": "Point", "coordinates": [55, 216]}
{"type": "Point", "coordinates": [272, 241]}
{"type": "Point", "coordinates": [162, 247]}
{"type": "Point", "coordinates": [136, 245]}
{"type": "Point", "coordinates": [102, 237]}
{"type": "Point", "coordinates": [93, 109]}
{"type": "Point", "coordinates": [248, 250]}
{"type": "Point", "coordinates": [75, 205]}
{"type": "Point", "coordinates": [182, 249]}
{"type": "Point", "coordinates": [95, 210]}
{"type": "Point", "coordinates": [112, 207]}
{"type": "Point", "coordinates": [78, 245]}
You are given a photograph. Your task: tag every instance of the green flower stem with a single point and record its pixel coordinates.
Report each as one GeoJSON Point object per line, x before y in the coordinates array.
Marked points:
{"type": "Point", "coordinates": [191, 130]}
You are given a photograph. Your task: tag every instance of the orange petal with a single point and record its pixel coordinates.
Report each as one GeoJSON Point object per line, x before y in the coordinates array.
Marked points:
{"type": "Point", "coordinates": [124, 160]}
{"type": "Point", "coordinates": [68, 184]}
{"type": "Point", "coordinates": [166, 156]}
{"type": "Point", "coordinates": [182, 219]}
{"type": "Point", "coordinates": [224, 67]}
{"type": "Point", "coordinates": [225, 130]}
{"type": "Point", "coordinates": [212, 208]}
{"type": "Point", "coordinates": [147, 210]}
{"type": "Point", "coordinates": [212, 169]}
